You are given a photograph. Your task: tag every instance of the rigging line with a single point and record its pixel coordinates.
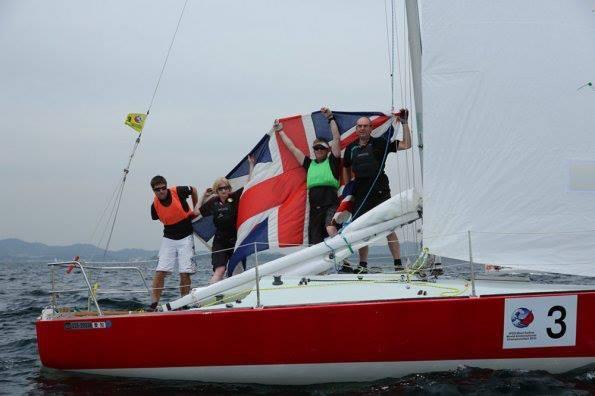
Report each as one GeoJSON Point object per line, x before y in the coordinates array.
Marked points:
{"type": "Point", "coordinates": [403, 181]}
{"type": "Point", "coordinates": [107, 206]}
{"type": "Point", "coordinates": [395, 48]}
{"type": "Point", "coordinates": [171, 44]}
{"type": "Point", "coordinates": [407, 105]}
{"type": "Point", "coordinates": [391, 43]}
{"type": "Point", "coordinates": [405, 75]}
{"type": "Point", "coordinates": [407, 53]}
{"type": "Point", "coordinates": [116, 207]}
{"type": "Point", "coordinates": [409, 78]}
{"type": "Point", "coordinates": [111, 215]}
{"type": "Point", "coordinates": [388, 52]}
{"type": "Point", "coordinates": [137, 141]}
{"type": "Point", "coordinates": [109, 238]}
{"type": "Point", "coordinates": [399, 173]}
{"type": "Point", "coordinates": [409, 231]}
{"type": "Point", "coordinates": [411, 104]}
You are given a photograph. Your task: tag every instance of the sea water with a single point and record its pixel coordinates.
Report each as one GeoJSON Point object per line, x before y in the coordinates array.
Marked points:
{"type": "Point", "coordinates": [24, 293]}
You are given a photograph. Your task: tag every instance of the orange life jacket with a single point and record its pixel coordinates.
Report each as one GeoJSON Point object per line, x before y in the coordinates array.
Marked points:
{"type": "Point", "coordinates": [174, 213]}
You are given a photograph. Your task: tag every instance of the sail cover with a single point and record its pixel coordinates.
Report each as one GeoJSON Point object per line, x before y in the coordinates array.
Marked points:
{"type": "Point", "coordinates": [509, 130]}
{"type": "Point", "coordinates": [273, 208]}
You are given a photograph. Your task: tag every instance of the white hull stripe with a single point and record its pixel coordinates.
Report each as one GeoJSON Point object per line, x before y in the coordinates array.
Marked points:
{"type": "Point", "coordinates": [303, 374]}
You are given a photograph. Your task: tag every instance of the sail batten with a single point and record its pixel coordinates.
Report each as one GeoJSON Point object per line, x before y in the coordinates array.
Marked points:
{"type": "Point", "coordinates": [508, 134]}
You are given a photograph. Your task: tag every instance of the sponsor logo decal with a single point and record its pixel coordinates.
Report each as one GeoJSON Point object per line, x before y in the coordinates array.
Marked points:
{"type": "Point", "coordinates": [522, 317]}
{"type": "Point", "coordinates": [537, 322]}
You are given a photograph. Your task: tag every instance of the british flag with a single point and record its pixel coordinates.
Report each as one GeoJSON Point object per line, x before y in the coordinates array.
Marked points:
{"type": "Point", "coordinates": [273, 211]}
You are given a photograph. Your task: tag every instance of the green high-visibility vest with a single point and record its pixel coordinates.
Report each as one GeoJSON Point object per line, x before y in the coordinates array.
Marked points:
{"type": "Point", "coordinates": [320, 174]}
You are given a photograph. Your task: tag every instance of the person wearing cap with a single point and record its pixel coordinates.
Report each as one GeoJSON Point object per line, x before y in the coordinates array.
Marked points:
{"type": "Point", "coordinates": [364, 162]}
{"type": "Point", "coordinates": [322, 180]}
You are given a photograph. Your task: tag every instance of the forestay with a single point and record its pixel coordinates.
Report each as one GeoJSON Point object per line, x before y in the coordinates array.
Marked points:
{"type": "Point", "coordinates": [509, 137]}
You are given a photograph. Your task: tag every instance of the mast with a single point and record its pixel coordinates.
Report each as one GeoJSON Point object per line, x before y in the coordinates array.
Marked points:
{"type": "Point", "coordinates": [414, 33]}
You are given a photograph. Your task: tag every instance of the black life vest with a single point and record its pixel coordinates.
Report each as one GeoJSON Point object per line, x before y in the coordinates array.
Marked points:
{"type": "Point", "coordinates": [225, 215]}
{"type": "Point", "coordinates": [363, 162]}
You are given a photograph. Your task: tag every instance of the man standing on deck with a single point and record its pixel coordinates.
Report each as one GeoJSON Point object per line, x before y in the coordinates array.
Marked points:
{"type": "Point", "coordinates": [364, 161]}
{"type": "Point", "coordinates": [170, 207]}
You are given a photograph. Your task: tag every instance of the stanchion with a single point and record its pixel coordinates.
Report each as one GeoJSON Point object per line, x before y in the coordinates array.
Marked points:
{"type": "Point", "coordinates": [471, 270]}
{"type": "Point", "coordinates": [256, 275]}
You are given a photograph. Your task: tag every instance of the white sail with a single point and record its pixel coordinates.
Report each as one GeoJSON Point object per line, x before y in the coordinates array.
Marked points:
{"type": "Point", "coordinates": [509, 132]}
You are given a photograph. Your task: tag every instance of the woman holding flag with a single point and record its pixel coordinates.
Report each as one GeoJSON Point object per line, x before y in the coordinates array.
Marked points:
{"type": "Point", "coordinates": [221, 203]}
{"type": "Point", "coordinates": [322, 180]}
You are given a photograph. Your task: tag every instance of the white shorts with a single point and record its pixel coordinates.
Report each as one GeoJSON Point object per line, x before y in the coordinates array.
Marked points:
{"type": "Point", "coordinates": [181, 250]}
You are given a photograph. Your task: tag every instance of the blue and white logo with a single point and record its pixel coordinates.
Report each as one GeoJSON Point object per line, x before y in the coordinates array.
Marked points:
{"type": "Point", "coordinates": [522, 317]}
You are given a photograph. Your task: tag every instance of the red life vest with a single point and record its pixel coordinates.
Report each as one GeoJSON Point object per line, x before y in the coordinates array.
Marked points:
{"type": "Point", "coordinates": [174, 213]}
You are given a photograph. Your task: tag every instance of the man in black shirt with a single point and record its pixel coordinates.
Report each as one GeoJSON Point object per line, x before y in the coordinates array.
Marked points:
{"type": "Point", "coordinates": [364, 161]}
{"type": "Point", "coordinates": [170, 207]}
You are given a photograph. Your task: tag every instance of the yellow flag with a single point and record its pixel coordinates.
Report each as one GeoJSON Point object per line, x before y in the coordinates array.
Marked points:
{"type": "Point", "coordinates": [136, 121]}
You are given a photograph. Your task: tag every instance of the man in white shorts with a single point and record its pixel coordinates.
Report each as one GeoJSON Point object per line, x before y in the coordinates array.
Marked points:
{"type": "Point", "coordinates": [170, 207]}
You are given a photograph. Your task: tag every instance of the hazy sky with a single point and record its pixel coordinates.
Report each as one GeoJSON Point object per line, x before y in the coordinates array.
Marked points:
{"type": "Point", "coordinates": [71, 70]}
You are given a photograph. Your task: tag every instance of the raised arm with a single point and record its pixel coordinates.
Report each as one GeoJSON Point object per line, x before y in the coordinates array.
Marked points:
{"type": "Point", "coordinates": [294, 150]}
{"type": "Point", "coordinates": [194, 195]}
{"type": "Point", "coordinates": [347, 175]}
{"type": "Point", "coordinates": [251, 162]}
{"type": "Point", "coordinates": [203, 198]}
{"type": "Point", "coordinates": [336, 142]}
{"type": "Point", "coordinates": [402, 117]}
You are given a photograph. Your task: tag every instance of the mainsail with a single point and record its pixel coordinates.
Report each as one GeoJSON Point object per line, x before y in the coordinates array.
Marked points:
{"type": "Point", "coordinates": [509, 132]}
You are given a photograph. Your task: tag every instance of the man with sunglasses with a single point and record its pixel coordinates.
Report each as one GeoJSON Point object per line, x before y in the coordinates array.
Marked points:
{"type": "Point", "coordinates": [322, 180]}
{"type": "Point", "coordinates": [364, 161]}
{"type": "Point", "coordinates": [170, 207]}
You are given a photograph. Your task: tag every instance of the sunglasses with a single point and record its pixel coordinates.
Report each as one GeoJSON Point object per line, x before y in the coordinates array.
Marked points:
{"type": "Point", "coordinates": [157, 189]}
{"type": "Point", "coordinates": [224, 188]}
{"type": "Point", "coordinates": [319, 147]}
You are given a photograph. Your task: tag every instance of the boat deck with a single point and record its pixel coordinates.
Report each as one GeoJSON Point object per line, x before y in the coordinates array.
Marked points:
{"type": "Point", "coordinates": [344, 288]}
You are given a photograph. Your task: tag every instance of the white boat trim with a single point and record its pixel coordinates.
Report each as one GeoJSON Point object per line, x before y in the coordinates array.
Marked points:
{"type": "Point", "coordinates": [304, 374]}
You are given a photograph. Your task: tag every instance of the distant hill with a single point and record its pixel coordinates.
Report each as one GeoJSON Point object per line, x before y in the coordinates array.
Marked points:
{"type": "Point", "coordinates": [16, 250]}
{"type": "Point", "coordinates": [13, 250]}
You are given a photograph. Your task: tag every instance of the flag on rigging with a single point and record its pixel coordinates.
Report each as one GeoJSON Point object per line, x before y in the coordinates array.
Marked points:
{"type": "Point", "coordinates": [273, 209]}
{"type": "Point", "coordinates": [136, 121]}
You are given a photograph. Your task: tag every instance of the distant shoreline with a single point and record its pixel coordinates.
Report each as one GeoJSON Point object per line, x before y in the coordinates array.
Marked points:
{"type": "Point", "coordinates": [17, 250]}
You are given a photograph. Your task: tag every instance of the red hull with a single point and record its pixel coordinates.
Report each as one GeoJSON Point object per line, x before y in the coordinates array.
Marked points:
{"type": "Point", "coordinates": [382, 331]}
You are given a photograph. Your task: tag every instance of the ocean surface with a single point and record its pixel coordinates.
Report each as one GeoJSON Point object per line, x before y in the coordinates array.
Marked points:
{"type": "Point", "coordinates": [24, 293]}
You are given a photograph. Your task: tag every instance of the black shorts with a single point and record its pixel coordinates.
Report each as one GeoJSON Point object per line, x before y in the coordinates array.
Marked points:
{"type": "Point", "coordinates": [320, 218]}
{"type": "Point", "coordinates": [376, 197]}
{"type": "Point", "coordinates": [222, 252]}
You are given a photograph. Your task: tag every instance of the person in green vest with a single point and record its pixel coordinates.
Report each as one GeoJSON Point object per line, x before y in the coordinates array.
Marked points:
{"type": "Point", "coordinates": [323, 172]}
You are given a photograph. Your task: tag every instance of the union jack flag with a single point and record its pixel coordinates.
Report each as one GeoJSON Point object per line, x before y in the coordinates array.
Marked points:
{"type": "Point", "coordinates": [273, 211]}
